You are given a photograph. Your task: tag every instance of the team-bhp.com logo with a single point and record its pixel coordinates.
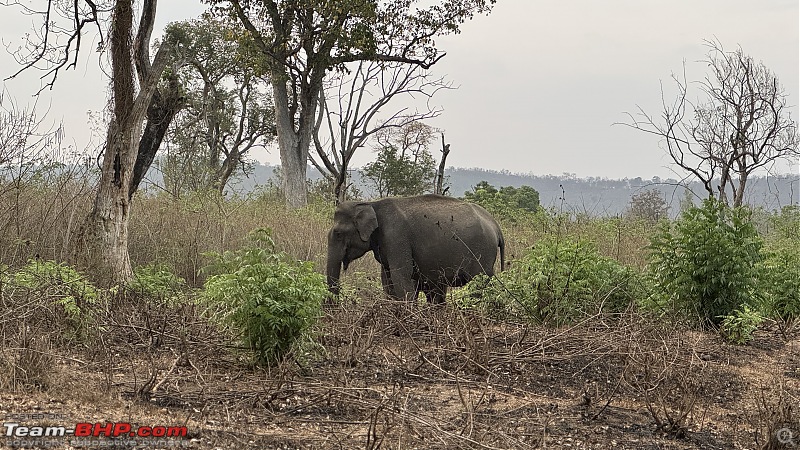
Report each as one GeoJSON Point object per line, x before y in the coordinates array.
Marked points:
{"type": "Point", "coordinates": [84, 429]}
{"type": "Point", "coordinates": [87, 434]}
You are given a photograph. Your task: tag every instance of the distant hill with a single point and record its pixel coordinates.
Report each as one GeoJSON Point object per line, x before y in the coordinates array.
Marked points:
{"type": "Point", "coordinates": [595, 196]}
{"type": "Point", "coordinates": [603, 196]}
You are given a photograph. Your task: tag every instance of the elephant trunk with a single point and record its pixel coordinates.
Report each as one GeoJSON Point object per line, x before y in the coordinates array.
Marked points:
{"type": "Point", "coordinates": [333, 271]}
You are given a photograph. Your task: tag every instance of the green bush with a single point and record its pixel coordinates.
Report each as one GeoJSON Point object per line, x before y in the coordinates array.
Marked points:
{"type": "Point", "coordinates": [157, 281]}
{"type": "Point", "coordinates": [704, 265]}
{"type": "Point", "coordinates": [487, 295]}
{"type": "Point", "coordinates": [265, 298]}
{"type": "Point", "coordinates": [557, 282]}
{"type": "Point", "coordinates": [779, 280]}
{"type": "Point", "coordinates": [786, 224]}
{"type": "Point", "coordinates": [510, 203]}
{"type": "Point", "coordinates": [68, 288]}
{"type": "Point", "coordinates": [739, 326]}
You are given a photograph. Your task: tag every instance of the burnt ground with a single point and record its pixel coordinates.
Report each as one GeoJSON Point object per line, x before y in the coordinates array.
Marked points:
{"type": "Point", "coordinates": [384, 375]}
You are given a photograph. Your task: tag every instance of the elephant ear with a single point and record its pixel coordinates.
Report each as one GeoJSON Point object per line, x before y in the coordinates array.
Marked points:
{"type": "Point", "coordinates": [366, 221]}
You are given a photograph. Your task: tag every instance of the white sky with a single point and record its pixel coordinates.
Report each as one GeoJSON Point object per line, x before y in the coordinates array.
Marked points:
{"type": "Point", "coordinates": [541, 81]}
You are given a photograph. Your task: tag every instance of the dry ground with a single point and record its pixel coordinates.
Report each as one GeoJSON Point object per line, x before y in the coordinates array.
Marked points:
{"type": "Point", "coordinates": [383, 375]}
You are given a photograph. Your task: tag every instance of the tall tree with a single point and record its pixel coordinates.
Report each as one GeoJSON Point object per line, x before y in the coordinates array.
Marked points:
{"type": "Point", "coordinates": [136, 96]}
{"type": "Point", "coordinates": [301, 40]}
{"type": "Point", "coordinates": [404, 165]}
{"type": "Point", "coordinates": [228, 111]}
{"type": "Point", "coordinates": [350, 107]}
{"type": "Point", "coordinates": [648, 205]}
{"type": "Point", "coordinates": [742, 126]}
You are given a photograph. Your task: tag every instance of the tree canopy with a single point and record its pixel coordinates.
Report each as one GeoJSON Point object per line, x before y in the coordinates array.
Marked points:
{"type": "Point", "coordinates": [300, 40]}
{"type": "Point", "coordinates": [404, 165]}
{"type": "Point", "coordinates": [506, 201]}
{"type": "Point", "coordinates": [228, 110]}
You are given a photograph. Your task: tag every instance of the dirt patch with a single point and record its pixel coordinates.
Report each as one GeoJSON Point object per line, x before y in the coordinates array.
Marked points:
{"type": "Point", "coordinates": [383, 375]}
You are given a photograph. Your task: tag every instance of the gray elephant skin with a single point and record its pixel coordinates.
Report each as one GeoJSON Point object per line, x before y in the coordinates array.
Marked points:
{"type": "Point", "coordinates": [426, 243]}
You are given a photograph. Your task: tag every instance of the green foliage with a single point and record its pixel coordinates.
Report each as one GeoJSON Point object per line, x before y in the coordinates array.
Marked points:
{"type": "Point", "coordinates": [779, 280]}
{"type": "Point", "coordinates": [786, 224]}
{"type": "Point", "coordinates": [557, 282]}
{"type": "Point", "coordinates": [507, 202]}
{"type": "Point", "coordinates": [157, 281]}
{"type": "Point", "coordinates": [739, 326]}
{"type": "Point", "coordinates": [265, 298]}
{"type": "Point", "coordinates": [225, 111]}
{"type": "Point", "coordinates": [780, 271]}
{"type": "Point", "coordinates": [322, 190]}
{"type": "Point", "coordinates": [397, 173]}
{"type": "Point", "coordinates": [68, 288]}
{"type": "Point", "coordinates": [337, 32]}
{"type": "Point", "coordinates": [704, 265]}
{"type": "Point", "coordinates": [486, 295]}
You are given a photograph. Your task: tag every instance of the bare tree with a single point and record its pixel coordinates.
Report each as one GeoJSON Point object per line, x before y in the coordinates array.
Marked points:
{"type": "Point", "coordinates": [744, 124]}
{"type": "Point", "coordinates": [23, 142]}
{"type": "Point", "coordinates": [128, 150]}
{"type": "Point", "coordinates": [348, 113]}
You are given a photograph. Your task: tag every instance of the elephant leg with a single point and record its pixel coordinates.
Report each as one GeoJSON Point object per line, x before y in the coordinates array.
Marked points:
{"type": "Point", "coordinates": [403, 286]}
{"type": "Point", "coordinates": [396, 258]}
{"type": "Point", "coordinates": [386, 281]}
{"type": "Point", "coordinates": [436, 293]}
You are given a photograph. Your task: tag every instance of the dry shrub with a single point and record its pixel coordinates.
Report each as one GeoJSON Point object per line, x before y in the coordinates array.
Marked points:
{"type": "Point", "coordinates": [618, 238]}
{"type": "Point", "coordinates": [40, 215]}
{"type": "Point", "coordinates": [663, 370]}
{"type": "Point", "coordinates": [774, 415]}
{"type": "Point", "coordinates": [29, 326]}
{"type": "Point", "coordinates": [26, 363]}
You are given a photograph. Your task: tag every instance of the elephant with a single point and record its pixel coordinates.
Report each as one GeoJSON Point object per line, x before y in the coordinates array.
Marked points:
{"type": "Point", "coordinates": [423, 244]}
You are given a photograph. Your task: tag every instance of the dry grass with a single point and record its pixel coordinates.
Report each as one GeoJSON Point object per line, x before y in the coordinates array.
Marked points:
{"type": "Point", "coordinates": [40, 218]}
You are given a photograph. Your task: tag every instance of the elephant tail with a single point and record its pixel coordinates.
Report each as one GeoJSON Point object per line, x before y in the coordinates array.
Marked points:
{"type": "Point", "coordinates": [502, 245]}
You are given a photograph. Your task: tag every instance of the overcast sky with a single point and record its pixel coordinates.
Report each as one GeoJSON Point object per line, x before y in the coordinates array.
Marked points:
{"type": "Point", "coordinates": [541, 82]}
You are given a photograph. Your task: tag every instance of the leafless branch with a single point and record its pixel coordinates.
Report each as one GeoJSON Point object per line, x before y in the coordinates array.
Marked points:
{"type": "Point", "coordinates": [358, 98]}
{"type": "Point", "coordinates": [46, 51]}
{"type": "Point", "coordinates": [741, 127]}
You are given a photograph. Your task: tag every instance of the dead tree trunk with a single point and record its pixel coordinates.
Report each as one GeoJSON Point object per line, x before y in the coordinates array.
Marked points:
{"type": "Point", "coordinates": [440, 173]}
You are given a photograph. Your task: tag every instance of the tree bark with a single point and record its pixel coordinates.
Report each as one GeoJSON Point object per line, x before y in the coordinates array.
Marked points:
{"type": "Point", "coordinates": [341, 186]}
{"type": "Point", "coordinates": [294, 142]}
{"type": "Point", "coordinates": [162, 110]}
{"type": "Point", "coordinates": [224, 172]}
{"type": "Point", "coordinates": [102, 246]}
